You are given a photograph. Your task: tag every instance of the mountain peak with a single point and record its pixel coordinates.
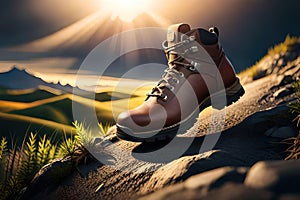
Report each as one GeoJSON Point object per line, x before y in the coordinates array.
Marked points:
{"type": "Point", "coordinates": [20, 78]}
{"type": "Point", "coordinates": [17, 70]}
{"type": "Point", "coordinates": [16, 67]}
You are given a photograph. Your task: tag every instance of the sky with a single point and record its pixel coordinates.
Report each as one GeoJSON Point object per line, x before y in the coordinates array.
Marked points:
{"type": "Point", "coordinates": [54, 36]}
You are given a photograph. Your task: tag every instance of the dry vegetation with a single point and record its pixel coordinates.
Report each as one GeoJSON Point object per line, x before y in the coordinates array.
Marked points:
{"type": "Point", "coordinates": [294, 149]}
{"type": "Point", "coordinates": [279, 49]}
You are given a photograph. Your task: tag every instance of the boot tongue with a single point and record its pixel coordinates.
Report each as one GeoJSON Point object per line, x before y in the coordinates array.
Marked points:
{"type": "Point", "coordinates": [173, 35]}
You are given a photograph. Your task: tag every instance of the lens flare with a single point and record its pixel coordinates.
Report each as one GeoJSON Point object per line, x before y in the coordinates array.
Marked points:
{"type": "Point", "coordinates": [126, 10]}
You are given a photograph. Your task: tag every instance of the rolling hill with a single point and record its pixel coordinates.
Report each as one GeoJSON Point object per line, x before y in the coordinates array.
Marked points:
{"type": "Point", "coordinates": [29, 104]}
{"type": "Point", "coordinates": [15, 127]}
{"type": "Point", "coordinates": [29, 95]}
{"type": "Point", "coordinates": [53, 116]}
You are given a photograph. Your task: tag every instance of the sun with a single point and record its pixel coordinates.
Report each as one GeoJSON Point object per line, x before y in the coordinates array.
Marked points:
{"type": "Point", "coordinates": [126, 10]}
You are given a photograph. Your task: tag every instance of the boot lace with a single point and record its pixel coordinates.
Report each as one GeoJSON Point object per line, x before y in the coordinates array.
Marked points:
{"type": "Point", "coordinates": [171, 75]}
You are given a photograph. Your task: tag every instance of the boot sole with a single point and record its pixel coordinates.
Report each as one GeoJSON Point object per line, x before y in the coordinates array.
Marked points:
{"type": "Point", "coordinates": [233, 94]}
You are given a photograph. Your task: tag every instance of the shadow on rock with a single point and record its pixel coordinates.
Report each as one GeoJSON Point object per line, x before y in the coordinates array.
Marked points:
{"type": "Point", "coordinates": [248, 142]}
{"type": "Point", "coordinates": [167, 151]}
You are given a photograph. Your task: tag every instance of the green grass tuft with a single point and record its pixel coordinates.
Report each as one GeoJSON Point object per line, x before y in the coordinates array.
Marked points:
{"type": "Point", "coordinates": [104, 128]}
{"type": "Point", "coordinates": [3, 147]}
{"type": "Point", "coordinates": [19, 165]}
{"type": "Point", "coordinates": [295, 107]}
{"type": "Point", "coordinates": [294, 149]}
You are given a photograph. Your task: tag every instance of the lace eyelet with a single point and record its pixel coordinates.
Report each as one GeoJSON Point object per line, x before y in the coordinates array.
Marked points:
{"type": "Point", "coordinates": [165, 98]}
{"type": "Point", "coordinates": [176, 81]}
{"type": "Point", "coordinates": [172, 88]}
{"type": "Point", "coordinates": [192, 68]}
{"type": "Point", "coordinates": [181, 74]}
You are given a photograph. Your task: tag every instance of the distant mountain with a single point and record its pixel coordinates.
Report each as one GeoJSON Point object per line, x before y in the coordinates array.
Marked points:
{"type": "Point", "coordinates": [20, 79]}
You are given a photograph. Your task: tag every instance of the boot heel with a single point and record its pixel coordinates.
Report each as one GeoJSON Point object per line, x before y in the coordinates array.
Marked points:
{"type": "Point", "coordinates": [233, 94]}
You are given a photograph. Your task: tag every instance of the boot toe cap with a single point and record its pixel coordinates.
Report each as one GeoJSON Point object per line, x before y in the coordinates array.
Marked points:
{"type": "Point", "coordinates": [131, 121]}
{"type": "Point", "coordinates": [128, 128]}
{"type": "Point", "coordinates": [136, 123]}
{"type": "Point", "coordinates": [124, 119]}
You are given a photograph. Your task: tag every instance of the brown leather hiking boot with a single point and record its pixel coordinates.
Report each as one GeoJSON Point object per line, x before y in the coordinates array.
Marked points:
{"type": "Point", "coordinates": [199, 76]}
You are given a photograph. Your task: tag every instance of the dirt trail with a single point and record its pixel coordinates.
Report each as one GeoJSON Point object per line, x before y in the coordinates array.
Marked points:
{"type": "Point", "coordinates": [134, 169]}
{"type": "Point", "coordinates": [133, 172]}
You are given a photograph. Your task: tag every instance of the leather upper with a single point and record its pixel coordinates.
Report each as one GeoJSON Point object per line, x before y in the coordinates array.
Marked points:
{"type": "Point", "coordinates": [190, 88]}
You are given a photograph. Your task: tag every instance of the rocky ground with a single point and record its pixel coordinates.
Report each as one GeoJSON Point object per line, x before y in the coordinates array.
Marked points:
{"type": "Point", "coordinates": [247, 162]}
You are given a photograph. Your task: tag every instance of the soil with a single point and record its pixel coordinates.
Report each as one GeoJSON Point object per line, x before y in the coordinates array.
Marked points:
{"type": "Point", "coordinates": [133, 175]}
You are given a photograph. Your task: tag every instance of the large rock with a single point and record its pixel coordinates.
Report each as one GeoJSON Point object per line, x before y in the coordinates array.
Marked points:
{"type": "Point", "coordinates": [265, 180]}
{"type": "Point", "coordinates": [284, 132]}
{"type": "Point", "coordinates": [215, 178]}
{"type": "Point", "coordinates": [277, 176]}
{"type": "Point", "coordinates": [267, 119]}
{"type": "Point", "coordinates": [200, 184]}
{"type": "Point", "coordinates": [243, 145]}
{"type": "Point", "coordinates": [232, 191]}
{"type": "Point", "coordinates": [229, 191]}
{"type": "Point", "coordinates": [173, 172]}
{"type": "Point", "coordinates": [48, 177]}
{"type": "Point", "coordinates": [185, 167]}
